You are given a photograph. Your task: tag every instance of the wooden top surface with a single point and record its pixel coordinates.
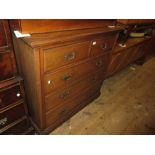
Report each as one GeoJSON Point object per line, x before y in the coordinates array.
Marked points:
{"type": "Point", "coordinates": [44, 39]}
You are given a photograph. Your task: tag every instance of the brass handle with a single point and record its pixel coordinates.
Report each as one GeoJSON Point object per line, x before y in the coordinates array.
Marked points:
{"type": "Point", "coordinates": [67, 77]}
{"type": "Point", "coordinates": [69, 56]}
{"type": "Point", "coordinates": [3, 121]}
{"type": "Point", "coordinates": [104, 46]}
{"type": "Point", "coordinates": [99, 63]}
{"type": "Point", "coordinates": [64, 95]}
{"type": "Point", "coordinates": [7, 49]}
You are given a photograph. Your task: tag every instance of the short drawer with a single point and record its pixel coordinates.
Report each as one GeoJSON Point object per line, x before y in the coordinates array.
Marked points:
{"type": "Point", "coordinates": [55, 99]}
{"type": "Point", "coordinates": [10, 95]}
{"type": "Point", "coordinates": [101, 45]}
{"type": "Point", "coordinates": [71, 75]}
{"type": "Point", "coordinates": [18, 129]}
{"type": "Point", "coordinates": [63, 111]}
{"type": "Point", "coordinates": [11, 115]}
{"type": "Point", "coordinates": [57, 57]}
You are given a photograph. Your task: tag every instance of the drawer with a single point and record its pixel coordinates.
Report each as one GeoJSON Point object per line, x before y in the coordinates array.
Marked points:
{"type": "Point", "coordinates": [69, 76]}
{"type": "Point", "coordinates": [18, 129]}
{"type": "Point", "coordinates": [14, 93]}
{"type": "Point", "coordinates": [7, 68]}
{"type": "Point", "coordinates": [55, 99]}
{"type": "Point", "coordinates": [11, 115]}
{"type": "Point", "coordinates": [57, 57]}
{"type": "Point", "coordinates": [101, 45]}
{"type": "Point", "coordinates": [63, 111]}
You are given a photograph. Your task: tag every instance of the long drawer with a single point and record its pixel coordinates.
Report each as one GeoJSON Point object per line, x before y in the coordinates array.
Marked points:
{"type": "Point", "coordinates": [10, 95]}
{"type": "Point", "coordinates": [71, 75]}
{"type": "Point", "coordinates": [64, 109]}
{"type": "Point", "coordinates": [55, 99]}
{"type": "Point", "coordinates": [11, 115]}
{"type": "Point", "coordinates": [57, 57]}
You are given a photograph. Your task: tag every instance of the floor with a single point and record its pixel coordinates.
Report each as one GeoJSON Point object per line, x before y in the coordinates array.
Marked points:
{"type": "Point", "coordinates": [126, 105]}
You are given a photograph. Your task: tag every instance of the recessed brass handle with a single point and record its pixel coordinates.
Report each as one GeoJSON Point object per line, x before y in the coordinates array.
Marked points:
{"type": "Point", "coordinates": [67, 77]}
{"type": "Point", "coordinates": [64, 95]}
{"type": "Point", "coordinates": [7, 49]}
{"type": "Point", "coordinates": [3, 121]}
{"type": "Point", "coordinates": [99, 63]}
{"type": "Point", "coordinates": [69, 56]}
{"type": "Point", "coordinates": [104, 46]}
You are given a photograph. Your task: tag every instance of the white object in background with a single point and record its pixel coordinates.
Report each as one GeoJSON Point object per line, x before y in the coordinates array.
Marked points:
{"type": "Point", "coordinates": [111, 26]}
{"type": "Point", "coordinates": [20, 35]}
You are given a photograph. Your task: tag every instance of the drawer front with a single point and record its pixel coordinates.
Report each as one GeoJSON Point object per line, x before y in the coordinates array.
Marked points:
{"type": "Point", "coordinates": [57, 57]}
{"type": "Point", "coordinates": [55, 99]}
{"type": "Point", "coordinates": [6, 65]}
{"type": "Point", "coordinates": [14, 93]}
{"type": "Point", "coordinates": [18, 129]}
{"type": "Point", "coordinates": [69, 76]}
{"type": "Point", "coordinates": [11, 115]}
{"type": "Point", "coordinates": [101, 45]}
{"type": "Point", "coordinates": [62, 112]}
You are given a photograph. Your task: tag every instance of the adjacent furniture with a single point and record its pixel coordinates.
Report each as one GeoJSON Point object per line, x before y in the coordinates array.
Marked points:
{"type": "Point", "coordinates": [63, 71]}
{"type": "Point", "coordinates": [13, 110]}
{"type": "Point", "coordinates": [130, 49]}
{"type": "Point", "coordinates": [136, 21]}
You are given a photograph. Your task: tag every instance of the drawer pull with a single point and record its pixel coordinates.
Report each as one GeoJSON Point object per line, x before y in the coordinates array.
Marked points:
{"type": "Point", "coordinates": [3, 121]}
{"type": "Point", "coordinates": [70, 56]}
{"type": "Point", "coordinates": [64, 95]}
{"type": "Point", "coordinates": [0, 100]}
{"type": "Point", "coordinates": [99, 64]}
{"type": "Point", "coordinates": [7, 49]}
{"type": "Point", "coordinates": [18, 94]}
{"type": "Point", "coordinates": [104, 46]}
{"type": "Point", "coordinates": [67, 77]}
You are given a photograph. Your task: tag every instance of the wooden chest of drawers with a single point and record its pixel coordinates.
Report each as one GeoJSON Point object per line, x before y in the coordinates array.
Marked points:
{"type": "Point", "coordinates": [63, 71]}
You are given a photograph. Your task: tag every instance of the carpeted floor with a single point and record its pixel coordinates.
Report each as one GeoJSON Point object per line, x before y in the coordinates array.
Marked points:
{"type": "Point", "coordinates": [126, 105]}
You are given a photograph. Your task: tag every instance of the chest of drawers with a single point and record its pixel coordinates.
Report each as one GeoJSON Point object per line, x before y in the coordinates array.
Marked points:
{"type": "Point", "coordinates": [63, 71]}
